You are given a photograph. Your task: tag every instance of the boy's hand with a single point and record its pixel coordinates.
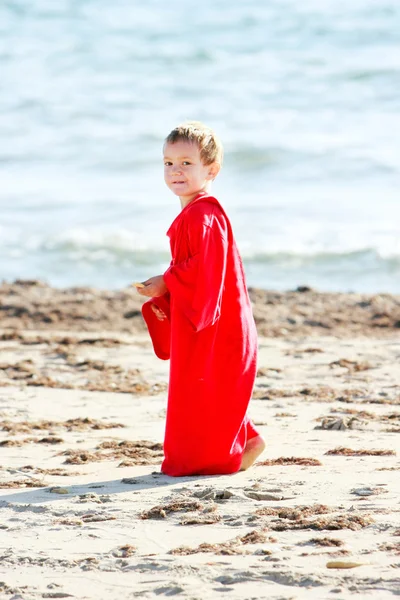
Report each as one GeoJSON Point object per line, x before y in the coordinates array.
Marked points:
{"type": "Point", "coordinates": [153, 287]}
{"type": "Point", "coordinates": [160, 314]}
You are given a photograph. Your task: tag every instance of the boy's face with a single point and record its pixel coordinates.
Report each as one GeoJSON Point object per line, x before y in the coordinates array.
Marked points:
{"type": "Point", "coordinates": [184, 173]}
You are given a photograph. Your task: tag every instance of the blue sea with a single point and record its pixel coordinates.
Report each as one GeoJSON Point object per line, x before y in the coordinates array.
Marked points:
{"type": "Point", "coordinates": [304, 95]}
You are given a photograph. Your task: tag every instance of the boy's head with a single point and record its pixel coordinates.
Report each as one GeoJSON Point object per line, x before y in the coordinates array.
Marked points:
{"type": "Point", "coordinates": [192, 159]}
{"type": "Point", "coordinates": [195, 132]}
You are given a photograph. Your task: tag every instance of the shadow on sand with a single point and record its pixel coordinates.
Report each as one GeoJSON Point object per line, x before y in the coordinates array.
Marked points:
{"type": "Point", "coordinates": [116, 486]}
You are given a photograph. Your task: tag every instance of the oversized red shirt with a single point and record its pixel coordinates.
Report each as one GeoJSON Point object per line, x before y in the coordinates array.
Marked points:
{"type": "Point", "coordinates": [211, 340]}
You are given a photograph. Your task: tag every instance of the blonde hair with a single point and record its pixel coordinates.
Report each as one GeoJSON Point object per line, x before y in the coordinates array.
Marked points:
{"type": "Point", "coordinates": [210, 147]}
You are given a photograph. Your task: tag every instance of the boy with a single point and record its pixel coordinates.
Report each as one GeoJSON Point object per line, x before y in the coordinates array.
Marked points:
{"type": "Point", "coordinates": [200, 317]}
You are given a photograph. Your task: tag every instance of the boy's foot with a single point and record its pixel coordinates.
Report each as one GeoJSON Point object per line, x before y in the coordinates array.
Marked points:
{"type": "Point", "coordinates": [254, 448]}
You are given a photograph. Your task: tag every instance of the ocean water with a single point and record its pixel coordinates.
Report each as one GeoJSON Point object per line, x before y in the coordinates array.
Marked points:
{"type": "Point", "coordinates": [305, 96]}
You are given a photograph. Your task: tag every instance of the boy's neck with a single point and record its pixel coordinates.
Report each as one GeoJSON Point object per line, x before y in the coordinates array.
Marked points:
{"type": "Point", "coordinates": [185, 200]}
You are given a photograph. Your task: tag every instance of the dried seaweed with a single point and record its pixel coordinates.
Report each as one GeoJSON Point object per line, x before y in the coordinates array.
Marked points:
{"type": "Point", "coordinates": [359, 414]}
{"type": "Point", "coordinates": [284, 414]}
{"type": "Point", "coordinates": [292, 460]}
{"type": "Point", "coordinates": [351, 365]}
{"type": "Point", "coordinates": [31, 440]}
{"type": "Point", "coordinates": [82, 457]}
{"type": "Point", "coordinates": [30, 482]}
{"type": "Point", "coordinates": [390, 401]}
{"type": "Point", "coordinates": [353, 522]}
{"type": "Point", "coordinates": [325, 541]}
{"type": "Point", "coordinates": [294, 514]}
{"type": "Point", "coordinates": [160, 511]}
{"type": "Point", "coordinates": [342, 451]}
{"type": "Point", "coordinates": [310, 517]}
{"type": "Point", "coordinates": [268, 394]}
{"type": "Point", "coordinates": [390, 547]}
{"type": "Point", "coordinates": [327, 394]}
{"type": "Point", "coordinates": [55, 472]}
{"type": "Point", "coordinates": [100, 377]}
{"type": "Point", "coordinates": [234, 546]}
{"type": "Point", "coordinates": [140, 452]}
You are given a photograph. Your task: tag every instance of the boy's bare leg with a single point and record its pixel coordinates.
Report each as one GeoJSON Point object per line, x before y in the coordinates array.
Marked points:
{"type": "Point", "coordinates": [252, 451]}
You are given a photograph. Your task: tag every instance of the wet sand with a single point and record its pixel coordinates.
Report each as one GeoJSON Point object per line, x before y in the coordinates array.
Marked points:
{"type": "Point", "coordinates": [85, 512]}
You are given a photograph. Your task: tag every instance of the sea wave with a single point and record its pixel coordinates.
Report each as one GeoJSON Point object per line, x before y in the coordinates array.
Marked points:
{"type": "Point", "coordinates": [122, 245]}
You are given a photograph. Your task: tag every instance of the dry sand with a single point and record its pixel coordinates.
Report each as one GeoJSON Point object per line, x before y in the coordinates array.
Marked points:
{"type": "Point", "coordinates": [85, 512]}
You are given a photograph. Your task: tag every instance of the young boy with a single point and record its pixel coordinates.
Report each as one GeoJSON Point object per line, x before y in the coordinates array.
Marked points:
{"type": "Point", "coordinates": [200, 317]}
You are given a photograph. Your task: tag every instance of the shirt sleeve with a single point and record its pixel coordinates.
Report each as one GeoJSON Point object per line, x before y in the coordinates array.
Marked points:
{"type": "Point", "coordinates": [196, 284]}
{"type": "Point", "coordinates": [160, 331]}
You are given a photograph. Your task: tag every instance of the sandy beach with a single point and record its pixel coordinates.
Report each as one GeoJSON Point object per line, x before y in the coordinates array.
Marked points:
{"type": "Point", "coordinates": [85, 511]}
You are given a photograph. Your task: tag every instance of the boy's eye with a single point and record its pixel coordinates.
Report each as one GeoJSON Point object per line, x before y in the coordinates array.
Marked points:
{"type": "Point", "coordinates": [186, 162]}
{"type": "Point", "coordinates": [167, 163]}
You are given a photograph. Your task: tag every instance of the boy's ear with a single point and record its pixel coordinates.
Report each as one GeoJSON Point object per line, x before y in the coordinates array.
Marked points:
{"type": "Point", "coordinates": [213, 170]}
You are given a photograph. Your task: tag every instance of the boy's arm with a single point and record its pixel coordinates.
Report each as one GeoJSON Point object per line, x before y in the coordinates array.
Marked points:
{"type": "Point", "coordinates": [197, 283]}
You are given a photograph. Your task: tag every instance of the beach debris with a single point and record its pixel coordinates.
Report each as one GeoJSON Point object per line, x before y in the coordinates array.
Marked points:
{"type": "Point", "coordinates": [70, 522]}
{"type": "Point", "coordinates": [261, 393]}
{"type": "Point", "coordinates": [342, 451]}
{"type": "Point", "coordinates": [100, 376]}
{"type": "Point", "coordinates": [161, 510]}
{"type": "Point", "coordinates": [291, 460]}
{"type": "Point", "coordinates": [265, 371]}
{"type": "Point", "coordinates": [32, 307]}
{"type": "Point", "coordinates": [341, 564]}
{"type": "Point", "coordinates": [31, 440]}
{"type": "Point", "coordinates": [312, 350]}
{"type": "Point", "coordinates": [234, 546]}
{"type": "Point", "coordinates": [39, 471]}
{"type": "Point", "coordinates": [338, 423]}
{"type": "Point", "coordinates": [56, 595]}
{"type": "Point", "coordinates": [353, 522]}
{"type": "Point", "coordinates": [368, 491]}
{"type": "Point", "coordinates": [204, 519]}
{"type": "Point", "coordinates": [388, 469]}
{"type": "Point", "coordinates": [124, 551]}
{"type": "Point", "coordinates": [92, 497]}
{"type": "Point", "coordinates": [325, 393]}
{"type": "Point", "coordinates": [390, 546]}
{"type": "Point", "coordinates": [58, 490]}
{"type": "Point", "coordinates": [81, 457]}
{"type": "Point", "coordinates": [95, 517]}
{"type": "Point", "coordinates": [210, 493]}
{"type": "Point", "coordinates": [20, 472]}
{"type": "Point", "coordinates": [390, 401]}
{"type": "Point", "coordinates": [255, 495]}
{"type": "Point", "coordinates": [312, 517]}
{"type": "Point", "coordinates": [295, 514]}
{"type": "Point", "coordinates": [284, 414]}
{"type": "Point", "coordinates": [325, 541]}
{"type": "Point", "coordinates": [363, 415]}
{"type": "Point", "coordinates": [351, 365]}
{"type": "Point", "coordinates": [78, 424]}
{"type": "Point", "coordinates": [22, 483]}
{"type": "Point", "coordinates": [141, 452]}
{"type": "Point", "coordinates": [296, 351]}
